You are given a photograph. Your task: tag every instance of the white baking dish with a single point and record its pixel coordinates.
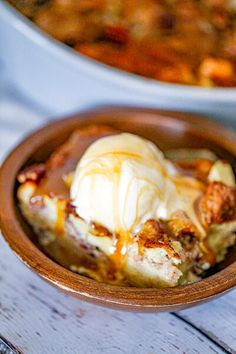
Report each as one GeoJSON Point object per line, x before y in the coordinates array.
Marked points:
{"type": "Point", "coordinates": [64, 81]}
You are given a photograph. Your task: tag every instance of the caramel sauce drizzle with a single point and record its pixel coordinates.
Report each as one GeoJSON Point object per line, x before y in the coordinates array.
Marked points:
{"type": "Point", "coordinates": [122, 241]}
{"type": "Point", "coordinates": [60, 222]}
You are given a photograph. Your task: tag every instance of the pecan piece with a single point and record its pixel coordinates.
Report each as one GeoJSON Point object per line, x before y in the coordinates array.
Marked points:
{"type": "Point", "coordinates": [117, 34]}
{"type": "Point", "coordinates": [33, 173]}
{"type": "Point", "coordinates": [99, 230]}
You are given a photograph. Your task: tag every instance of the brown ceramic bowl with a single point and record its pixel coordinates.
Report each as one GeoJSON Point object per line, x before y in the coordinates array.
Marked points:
{"type": "Point", "coordinates": [167, 130]}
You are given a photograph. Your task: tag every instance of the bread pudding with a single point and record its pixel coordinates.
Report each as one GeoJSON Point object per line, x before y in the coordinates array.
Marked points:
{"type": "Point", "coordinates": [111, 206]}
{"type": "Point", "coordinates": [187, 42]}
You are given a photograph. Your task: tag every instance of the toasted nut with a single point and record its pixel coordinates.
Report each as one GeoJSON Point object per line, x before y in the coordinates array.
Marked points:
{"type": "Point", "coordinates": [33, 173]}
{"type": "Point", "coordinates": [100, 230]}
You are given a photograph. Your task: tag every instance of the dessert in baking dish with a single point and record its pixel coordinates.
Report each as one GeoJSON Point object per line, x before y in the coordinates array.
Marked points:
{"type": "Point", "coordinates": [112, 207]}
{"type": "Point", "coordinates": [186, 42]}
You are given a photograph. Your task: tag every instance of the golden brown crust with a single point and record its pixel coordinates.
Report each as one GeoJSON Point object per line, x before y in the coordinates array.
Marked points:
{"type": "Point", "coordinates": [153, 235]}
{"type": "Point", "coordinates": [181, 228]}
{"type": "Point", "coordinates": [218, 204]}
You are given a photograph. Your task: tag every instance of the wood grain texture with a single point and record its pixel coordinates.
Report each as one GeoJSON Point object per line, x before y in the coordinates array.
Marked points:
{"type": "Point", "coordinates": [217, 320]}
{"type": "Point", "coordinates": [39, 319]}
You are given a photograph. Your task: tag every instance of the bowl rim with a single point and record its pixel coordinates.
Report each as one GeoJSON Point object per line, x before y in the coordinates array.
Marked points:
{"type": "Point", "coordinates": [108, 73]}
{"type": "Point", "coordinates": [128, 298]}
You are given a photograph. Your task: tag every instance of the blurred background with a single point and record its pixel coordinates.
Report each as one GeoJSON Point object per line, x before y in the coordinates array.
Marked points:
{"type": "Point", "coordinates": [61, 56]}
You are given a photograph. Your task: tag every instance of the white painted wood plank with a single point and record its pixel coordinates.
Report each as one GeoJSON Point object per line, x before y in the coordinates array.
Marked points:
{"type": "Point", "coordinates": [217, 319]}
{"type": "Point", "coordinates": [18, 115]}
{"type": "Point", "coordinates": [38, 319]}
{"type": "Point", "coordinates": [15, 123]}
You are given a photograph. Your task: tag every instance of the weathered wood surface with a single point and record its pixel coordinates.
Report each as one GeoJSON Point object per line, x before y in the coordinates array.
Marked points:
{"type": "Point", "coordinates": [36, 318]}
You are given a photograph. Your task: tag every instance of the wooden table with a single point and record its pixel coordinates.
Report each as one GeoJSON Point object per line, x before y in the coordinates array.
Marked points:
{"type": "Point", "coordinates": [35, 318]}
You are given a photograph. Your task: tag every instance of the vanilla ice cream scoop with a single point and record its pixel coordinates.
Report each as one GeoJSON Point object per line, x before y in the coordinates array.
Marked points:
{"type": "Point", "coordinates": [123, 180]}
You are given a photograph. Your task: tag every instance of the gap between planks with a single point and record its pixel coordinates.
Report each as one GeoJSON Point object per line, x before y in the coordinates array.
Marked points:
{"type": "Point", "coordinates": [211, 338]}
